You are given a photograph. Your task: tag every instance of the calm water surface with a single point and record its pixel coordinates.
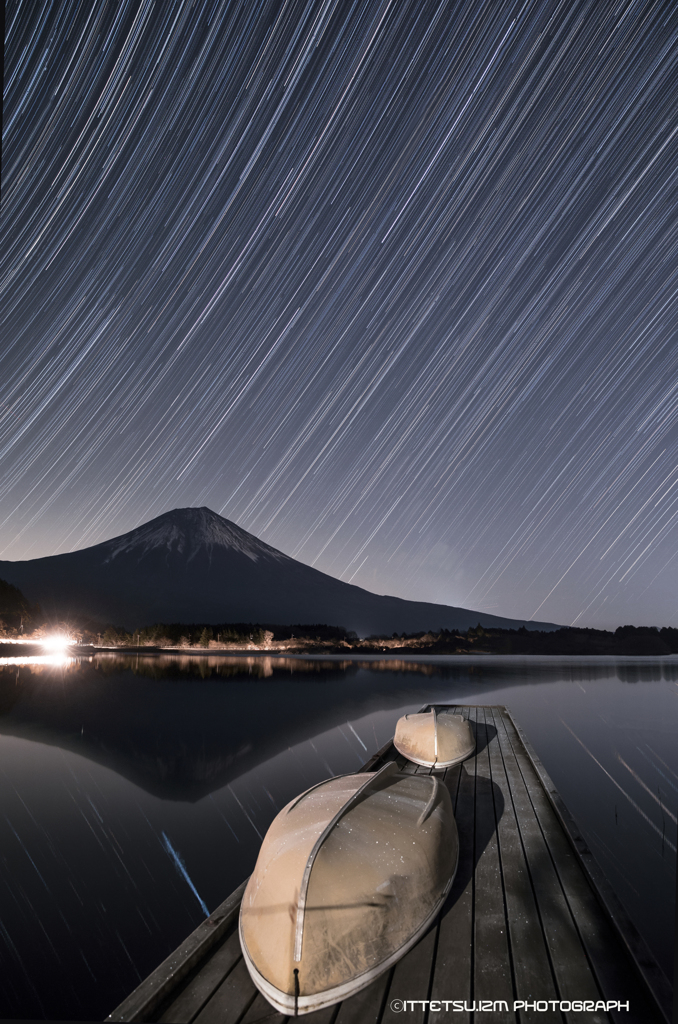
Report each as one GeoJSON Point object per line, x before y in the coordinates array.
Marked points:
{"type": "Point", "coordinates": [135, 791]}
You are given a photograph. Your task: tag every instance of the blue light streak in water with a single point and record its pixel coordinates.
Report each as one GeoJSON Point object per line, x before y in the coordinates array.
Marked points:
{"type": "Point", "coordinates": [181, 868]}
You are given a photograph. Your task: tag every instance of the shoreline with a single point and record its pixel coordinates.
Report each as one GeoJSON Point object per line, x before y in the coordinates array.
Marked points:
{"type": "Point", "coordinates": [26, 650]}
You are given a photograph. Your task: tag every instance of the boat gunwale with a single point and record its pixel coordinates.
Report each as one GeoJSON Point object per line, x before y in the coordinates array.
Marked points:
{"type": "Point", "coordinates": [311, 789]}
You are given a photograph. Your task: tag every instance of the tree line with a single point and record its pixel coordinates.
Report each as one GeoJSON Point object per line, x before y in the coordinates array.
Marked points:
{"type": "Point", "coordinates": [181, 634]}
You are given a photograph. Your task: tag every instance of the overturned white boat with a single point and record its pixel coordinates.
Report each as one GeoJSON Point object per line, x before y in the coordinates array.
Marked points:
{"type": "Point", "coordinates": [349, 876]}
{"type": "Point", "coordinates": [434, 740]}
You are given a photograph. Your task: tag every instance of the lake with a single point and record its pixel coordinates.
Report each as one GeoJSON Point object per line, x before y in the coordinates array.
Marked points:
{"type": "Point", "coordinates": [135, 790]}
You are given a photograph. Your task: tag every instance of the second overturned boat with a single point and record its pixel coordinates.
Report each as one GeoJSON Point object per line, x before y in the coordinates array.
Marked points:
{"type": "Point", "coordinates": [434, 740]}
{"type": "Point", "coordinates": [349, 876]}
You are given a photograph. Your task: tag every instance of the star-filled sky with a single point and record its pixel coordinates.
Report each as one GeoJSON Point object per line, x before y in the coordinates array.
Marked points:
{"type": "Point", "coordinates": [391, 284]}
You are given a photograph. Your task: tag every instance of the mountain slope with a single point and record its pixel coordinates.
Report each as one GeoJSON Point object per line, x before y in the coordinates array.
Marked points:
{"type": "Point", "coordinates": [192, 565]}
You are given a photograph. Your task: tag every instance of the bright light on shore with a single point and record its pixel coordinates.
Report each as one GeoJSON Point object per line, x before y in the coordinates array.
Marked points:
{"type": "Point", "coordinates": [57, 643]}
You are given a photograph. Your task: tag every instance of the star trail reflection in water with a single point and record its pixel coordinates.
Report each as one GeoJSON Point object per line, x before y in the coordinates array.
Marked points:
{"type": "Point", "coordinates": [134, 791]}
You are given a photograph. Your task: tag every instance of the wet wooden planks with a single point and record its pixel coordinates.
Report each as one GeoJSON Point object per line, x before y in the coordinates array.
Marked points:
{"type": "Point", "coordinates": [524, 921]}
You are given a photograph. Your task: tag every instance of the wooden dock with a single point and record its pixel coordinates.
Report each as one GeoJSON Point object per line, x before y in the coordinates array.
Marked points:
{"type": "Point", "coordinates": [530, 919]}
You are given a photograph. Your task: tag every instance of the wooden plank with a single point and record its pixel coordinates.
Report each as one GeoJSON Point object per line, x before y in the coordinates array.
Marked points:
{"type": "Point", "coordinates": [533, 975]}
{"type": "Point", "coordinates": [491, 956]}
{"type": "Point", "coordinates": [141, 1004]}
{"type": "Point", "coordinates": [261, 1012]}
{"type": "Point", "coordinates": [324, 1016]}
{"type": "Point", "coordinates": [410, 980]}
{"type": "Point", "coordinates": [387, 753]}
{"type": "Point", "coordinates": [365, 1007]}
{"type": "Point", "coordinates": [618, 972]}
{"type": "Point", "coordinates": [195, 994]}
{"type": "Point", "coordinates": [574, 978]}
{"type": "Point", "coordinates": [450, 777]}
{"type": "Point", "coordinates": [654, 978]}
{"type": "Point", "coordinates": [453, 969]}
{"type": "Point", "coordinates": [465, 710]}
{"type": "Point", "coordinates": [228, 1004]}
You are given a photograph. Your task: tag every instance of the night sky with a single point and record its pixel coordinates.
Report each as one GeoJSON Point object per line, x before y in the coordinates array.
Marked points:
{"type": "Point", "coordinates": [391, 284]}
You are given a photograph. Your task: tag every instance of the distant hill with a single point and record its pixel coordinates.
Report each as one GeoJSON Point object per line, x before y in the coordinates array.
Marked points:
{"type": "Point", "coordinates": [192, 565]}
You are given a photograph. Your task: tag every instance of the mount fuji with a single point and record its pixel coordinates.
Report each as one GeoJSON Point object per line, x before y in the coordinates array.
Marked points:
{"type": "Point", "coordinates": [192, 565]}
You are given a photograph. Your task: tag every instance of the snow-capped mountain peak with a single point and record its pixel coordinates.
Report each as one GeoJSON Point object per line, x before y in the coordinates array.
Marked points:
{"type": "Point", "coordinates": [187, 531]}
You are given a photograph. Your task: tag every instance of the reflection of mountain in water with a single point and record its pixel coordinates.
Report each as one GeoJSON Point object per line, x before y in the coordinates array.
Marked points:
{"type": "Point", "coordinates": [182, 727]}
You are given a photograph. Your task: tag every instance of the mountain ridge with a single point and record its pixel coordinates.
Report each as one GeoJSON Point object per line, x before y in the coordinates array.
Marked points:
{"type": "Point", "coordinates": [193, 565]}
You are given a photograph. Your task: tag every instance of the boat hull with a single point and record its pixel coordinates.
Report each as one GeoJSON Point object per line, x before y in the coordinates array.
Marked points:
{"type": "Point", "coordinates": [349, 877]}
{"type": "Point", "coordinates": [434, 741]}
{"type": "Point", "coordinates": [285, 1003]}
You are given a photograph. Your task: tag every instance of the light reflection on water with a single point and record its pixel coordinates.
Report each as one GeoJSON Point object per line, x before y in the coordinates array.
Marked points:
{"type": "Point", "coordinates": [56, 660]}
{"type": "Point", "coordinates": [135, 789]}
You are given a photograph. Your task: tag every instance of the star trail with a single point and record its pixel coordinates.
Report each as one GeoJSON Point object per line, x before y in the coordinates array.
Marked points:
{"type": "Point", "coordinates": [392, 285]}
